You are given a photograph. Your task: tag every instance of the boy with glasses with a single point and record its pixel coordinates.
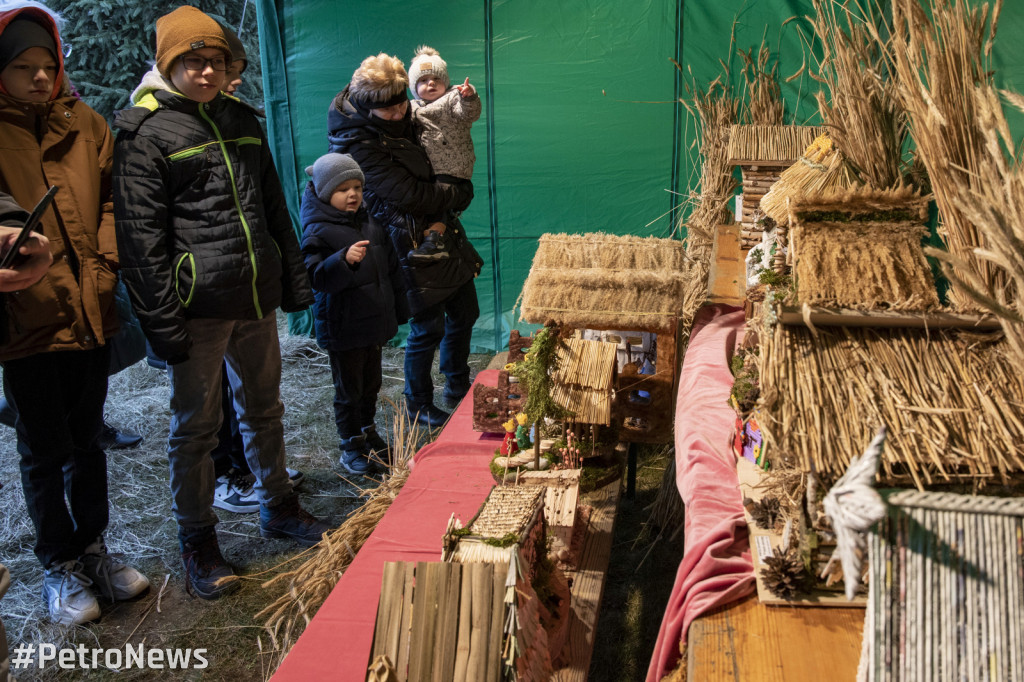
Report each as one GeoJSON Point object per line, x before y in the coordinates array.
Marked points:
{"type": "Point", "coordinates": [208, 255]}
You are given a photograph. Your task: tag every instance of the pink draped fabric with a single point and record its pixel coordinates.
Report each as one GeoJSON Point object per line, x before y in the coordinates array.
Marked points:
{"type": "Point", "coordinates": [716, 567]}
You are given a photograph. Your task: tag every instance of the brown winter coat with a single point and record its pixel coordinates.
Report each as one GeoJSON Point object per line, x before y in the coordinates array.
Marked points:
{"type": "Point", "coordinates": [65, 310]}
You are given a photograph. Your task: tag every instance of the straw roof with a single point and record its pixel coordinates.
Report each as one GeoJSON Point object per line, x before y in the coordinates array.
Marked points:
{"type": "Point", "coordinates": [507, 510]}
{"type": "Point", "coordinates": [583, 381]}
{"type": "Point", "coordinates": [820, 170]}
{"type": "Point", "coordinates": [951, 402]}
{"type": "Point", "coordinates": [769, 144]}
{"type": "Point", "coordinates": [861, 249]}
{"type": "Point", "coordinates": [603, 281]}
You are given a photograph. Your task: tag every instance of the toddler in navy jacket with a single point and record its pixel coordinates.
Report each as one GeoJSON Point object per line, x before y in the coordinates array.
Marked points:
{"type": "Point", "coordinates": [360, 300]}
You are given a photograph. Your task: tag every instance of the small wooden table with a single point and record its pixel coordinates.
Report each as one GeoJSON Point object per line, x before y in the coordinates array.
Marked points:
{"type": "Point", "coordinates": [752, 642]}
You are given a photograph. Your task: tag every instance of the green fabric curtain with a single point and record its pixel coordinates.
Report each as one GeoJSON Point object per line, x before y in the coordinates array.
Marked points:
{"type": "Point", "coordinates": [582, 130]}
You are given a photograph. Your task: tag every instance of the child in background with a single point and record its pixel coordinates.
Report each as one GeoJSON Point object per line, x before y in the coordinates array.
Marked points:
{"type": "Point", "coordinates": [360, 300]}
{"type": "Point", "coordinates": [208, 255]}
{"type": "Point", "coordinates": [55, 337]}
{"type": "Point", "coordinates": [443, 117]}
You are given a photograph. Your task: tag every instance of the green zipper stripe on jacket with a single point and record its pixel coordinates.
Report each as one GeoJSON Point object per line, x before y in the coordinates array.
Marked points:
{"type": "Point", "coordinates": [199, 149]}
{"type": "Point", "coordinates": [177, 269]}
{"type": "Point", "coordinates": [238, 207]}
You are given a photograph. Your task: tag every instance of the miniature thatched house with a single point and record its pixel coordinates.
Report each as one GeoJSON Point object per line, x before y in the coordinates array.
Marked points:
{"type": "Point", "coordinates": [861, 249]}
{"type": "Point", "coordinates": [762, 152]}
{"type": "Point", "coordinates": [605, 282]}
{"type": "Point", "coordinates": [585, 379]}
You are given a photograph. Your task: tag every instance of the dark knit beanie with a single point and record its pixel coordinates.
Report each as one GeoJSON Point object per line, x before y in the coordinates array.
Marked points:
{"type": "Point", "coordinates": [330, 170]}
{"type": "Point", "coordinates": [184, 30]}
{"type": "Point", "coordinates": [237, 48]}
{"type": "Point", "coordinates": [22, 34]}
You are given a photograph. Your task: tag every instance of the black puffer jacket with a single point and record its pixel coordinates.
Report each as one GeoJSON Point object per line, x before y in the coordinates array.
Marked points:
{"type": "Point", "coordinates": [201, 222]}
{"type": "Point", "coordinates": [356, 305]}
{"type": "Point", "coordinates": [401, 194]}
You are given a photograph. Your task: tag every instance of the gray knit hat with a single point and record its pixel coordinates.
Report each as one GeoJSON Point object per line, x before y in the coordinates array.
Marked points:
{"type": "Point", "coordinates": [330, 170]}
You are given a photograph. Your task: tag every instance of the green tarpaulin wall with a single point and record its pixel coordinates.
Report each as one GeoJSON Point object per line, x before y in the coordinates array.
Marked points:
{"type": "Point", "coordinates": [581, 130]}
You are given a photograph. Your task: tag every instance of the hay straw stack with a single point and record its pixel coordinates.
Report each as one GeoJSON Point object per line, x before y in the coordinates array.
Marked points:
{"type": "Point", "coordinates": [862, 109]}
{"type": "Point", "coordinates": [764, 105]}
{"type": "Point", "coordinates": [951, 402]}
{"type": "Point", "coordinates": [861, 249]}
{"type": "Point", "coordinates": [605, 281]}
{"type": "Point", "coordinates": [821, 170]}
{"type": "Point", "coordinates": [306, 587]}
{"type": "Point", "coordinates": [940, 52]}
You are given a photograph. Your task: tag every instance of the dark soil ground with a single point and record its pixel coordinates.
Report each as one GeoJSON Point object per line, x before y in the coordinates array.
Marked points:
{"type": "Point", "coordinates": [237, 648]}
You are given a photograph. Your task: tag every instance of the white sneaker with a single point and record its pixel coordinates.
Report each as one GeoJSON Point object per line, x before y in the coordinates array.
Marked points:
{"type": "Point", "coordinates": [235, 493]}
{"type": "Point", "coordinates": [110, 577]}
{"type": "Point", "coordinates": [66, 591]}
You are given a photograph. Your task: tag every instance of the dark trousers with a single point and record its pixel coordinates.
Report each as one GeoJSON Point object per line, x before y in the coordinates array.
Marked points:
{"type": "Point", "coordinates": [448, 325]}
{"type": "Point", "coordinates": [357, 381]}
{"type": "Point", "coordinates": [59, 398]}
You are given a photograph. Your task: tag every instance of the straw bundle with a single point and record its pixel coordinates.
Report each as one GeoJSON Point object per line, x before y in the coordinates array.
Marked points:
{"type": "Point", "coordinates": [946, 590]}
{"type": "Point", "coordinates": [861, 249]}
{"type": "Point", "coordinates": [939, 53]}
{"type": "Point", "coordinates": [605, 281]}
{"type": "Point", "coordinates": [862, 109]}
{"type": "Point", "coordinates": [821, 170]}
{"type": "Point", "coordinates": [716, 112]}
{"type": "Point", "coordinates": [309, 585]}
{"type": "Point", "coordinates": [764, 99]}
{"type": "Point", "coordinates": [951, 402]}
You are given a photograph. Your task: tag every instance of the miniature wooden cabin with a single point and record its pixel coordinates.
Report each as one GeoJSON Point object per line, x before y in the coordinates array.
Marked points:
{"type": "Point", "coordinates": [606, 282]}
{"type": "Point", "coordinates": [762, 152]}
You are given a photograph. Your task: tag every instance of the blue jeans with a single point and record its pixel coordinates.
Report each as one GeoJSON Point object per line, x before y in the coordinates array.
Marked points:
{"type": "Point", "coordinates": [59, 399]}
{"type": "Point", "coordinates": [448, 324]}
{"type": "Point", "coordinates": [253, 357]}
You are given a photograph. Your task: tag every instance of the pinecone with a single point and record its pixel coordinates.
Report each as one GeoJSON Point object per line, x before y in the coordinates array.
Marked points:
{"type": "Point", "coordinates": [785, 574]}
{"type": "Point", "coordinates": [766, 512]}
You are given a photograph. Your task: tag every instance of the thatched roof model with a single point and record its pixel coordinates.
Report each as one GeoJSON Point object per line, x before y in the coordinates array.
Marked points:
{"type": "Point", "coordinates": [584, 380]}
{"type": "Point", "coordinates": [820, 170]}
{"type": "Point", "coordinates": [602, 281]}
{"type": "Point", "coordinates": [505, 520]}
{"type": "Point", "coordinates": [769, 144]}
{"type": "Point", "coordinates": [861, 248]}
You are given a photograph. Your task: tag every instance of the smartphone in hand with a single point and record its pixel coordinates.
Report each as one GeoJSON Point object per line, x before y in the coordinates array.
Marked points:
{"type": "Point", "coordinates": [12, 258]}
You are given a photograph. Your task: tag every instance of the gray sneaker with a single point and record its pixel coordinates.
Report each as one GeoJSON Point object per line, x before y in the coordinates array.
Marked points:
{"type": "Point", "coordinates": [112, 579]}
{"type": "Point", "coordinates": [235, 493]}
{"type": "Point", "coordinates": [67, 595]}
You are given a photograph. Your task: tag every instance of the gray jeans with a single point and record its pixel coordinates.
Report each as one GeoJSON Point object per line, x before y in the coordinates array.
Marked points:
{"type": "Point", "coordinates": [253, 355]}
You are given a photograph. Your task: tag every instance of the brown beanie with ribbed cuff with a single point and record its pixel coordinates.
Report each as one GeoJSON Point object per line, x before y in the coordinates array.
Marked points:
{"type": "Point", "coordinates": [184, 30]}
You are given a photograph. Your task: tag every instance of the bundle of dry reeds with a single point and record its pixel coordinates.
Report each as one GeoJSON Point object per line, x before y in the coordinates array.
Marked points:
{"type": "Point", "coordinates": [764, 105]}
{"type": "Point", "coordinates": [940, 51]}
{"type": "Point", "coordinates": [862, 108]}
{"type": "Point", "coordinates": [951, 402]}
{"type": "Point", "coordinates": [307, 586]}
{"type": "Point", "coordinates": [716, 110]}
{"type": "Point", "coordinates": [861, 249]}
{"type": "Point", "coordinates": [821, 170]}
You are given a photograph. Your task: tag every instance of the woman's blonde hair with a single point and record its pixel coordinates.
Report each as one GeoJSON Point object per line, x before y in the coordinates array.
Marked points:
{"type": "Point", "coordinates": [379, 78]}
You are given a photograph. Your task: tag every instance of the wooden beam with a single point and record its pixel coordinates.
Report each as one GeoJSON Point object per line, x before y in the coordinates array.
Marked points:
{"type": "Point", "coordinates": [841, 317]}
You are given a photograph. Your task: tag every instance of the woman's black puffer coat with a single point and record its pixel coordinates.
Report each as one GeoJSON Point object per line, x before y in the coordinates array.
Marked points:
{"type": "Point", "coordinates": [356, 305]}
{"type": "Point", "coordinates": [202, 227]}
{"type": "Point", "coordinates": [401, 194]}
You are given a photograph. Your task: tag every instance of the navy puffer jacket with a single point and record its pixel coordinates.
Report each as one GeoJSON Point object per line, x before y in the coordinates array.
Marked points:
{"type": "Point", "coordinates": [356, 305]}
